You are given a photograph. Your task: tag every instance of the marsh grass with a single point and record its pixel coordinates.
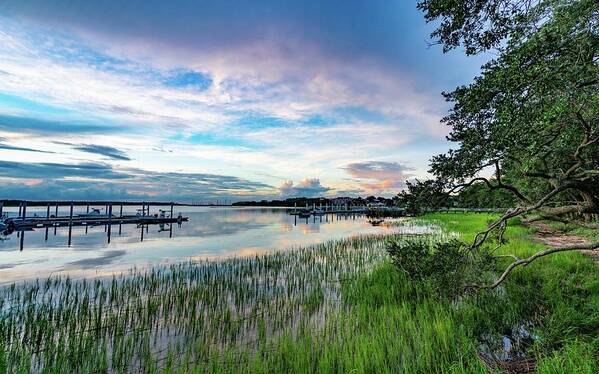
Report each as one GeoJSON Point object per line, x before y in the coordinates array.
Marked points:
{"type": "Point", "coordinates": [339, 306]}
{"type": "Point", "coordinates": [194, 313]}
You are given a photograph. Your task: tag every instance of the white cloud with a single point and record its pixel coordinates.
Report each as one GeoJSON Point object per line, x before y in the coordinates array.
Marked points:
{"type": "Point", "coordinates": [292, 81]}
{"type": "Point", "coordinates": [380, 176]}
{"type": "Point", "coordinates": [308, 187]}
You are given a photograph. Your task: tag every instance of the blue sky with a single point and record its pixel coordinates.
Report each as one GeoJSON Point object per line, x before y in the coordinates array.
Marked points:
{"type": "Point", "coordinates": [198, 100]}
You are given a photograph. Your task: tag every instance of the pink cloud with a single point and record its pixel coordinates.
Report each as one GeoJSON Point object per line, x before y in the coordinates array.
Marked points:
{"type": "Point", "coordinates": [379, 175]}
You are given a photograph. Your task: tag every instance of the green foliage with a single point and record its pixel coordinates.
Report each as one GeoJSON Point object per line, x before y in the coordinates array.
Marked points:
{"type": "Point", "coordinates": [3, 363]}
{"type": "Point", "coordinates": [575, 357]}
{"type": "Point", "coordinates": [442, 265]}
{"type": "Point", "coordinates": [533, 113]}
{"type": "Point", "coordinates": [420, 196]}
{"type": "Point", "coordinates": [478, 195]}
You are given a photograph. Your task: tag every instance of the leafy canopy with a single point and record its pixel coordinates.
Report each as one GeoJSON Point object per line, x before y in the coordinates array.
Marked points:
{"type": "Point", "coordinates": [531, 117]}
{"type": "Point", "coordinates": [534, 110]}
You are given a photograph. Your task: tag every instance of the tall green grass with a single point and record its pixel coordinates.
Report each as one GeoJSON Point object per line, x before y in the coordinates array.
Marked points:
{"type": "Point", "coordinates": [559, 294]}
{"type": "Point", "coordinates": [333, 307]}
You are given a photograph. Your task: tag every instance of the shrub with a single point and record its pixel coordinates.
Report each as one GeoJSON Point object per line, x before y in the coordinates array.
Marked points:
{"type": "Point", "coordinates": [443, 266]}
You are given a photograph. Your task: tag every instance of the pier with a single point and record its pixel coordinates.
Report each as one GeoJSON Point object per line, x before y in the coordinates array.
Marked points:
{"type": "Point", "coordinates": [93, 216]}
{"type": "Point", "coordinates": [25, 223]}
{"type": "Point", "coordinates": [345, 209]}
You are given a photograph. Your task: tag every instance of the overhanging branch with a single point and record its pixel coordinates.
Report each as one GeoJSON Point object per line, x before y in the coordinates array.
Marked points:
{"type": "Point", "coordinates": [526, 261]}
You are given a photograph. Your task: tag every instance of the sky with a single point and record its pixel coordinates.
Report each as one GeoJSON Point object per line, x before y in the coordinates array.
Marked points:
{"type": "Point", "coordinates": [204, 100]}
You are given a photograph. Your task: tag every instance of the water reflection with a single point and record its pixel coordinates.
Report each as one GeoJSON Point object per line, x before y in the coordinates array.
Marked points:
{"type": "Point", "coordinates": [210, 233]}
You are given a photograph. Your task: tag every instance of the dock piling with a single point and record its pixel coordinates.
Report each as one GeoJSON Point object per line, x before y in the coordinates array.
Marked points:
{"type": "Point", "coordinates": [87, 212]}
{"type": "Point", "coordinates": [109, 221]}
{"type": "Point", "coordinates": [70, 223]}
{"type": "Point", "coordinates": [47, 218]}
{"type": "Point", "coordinates": [170, 228]}
{"type": "Point", "coordinates": [55, 215]}
{"type": "Point", "coordinates": [22, 242]}
{"type": "Point", "coordinates": [106, 212]}
{"type": "Point", "coordinates": [121, 219]}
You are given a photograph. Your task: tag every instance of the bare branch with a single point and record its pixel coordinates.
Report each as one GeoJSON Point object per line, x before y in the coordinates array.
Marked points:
{"type": "Point", "coordinates": [526, 261]}
{"type": "Point", "coordinates": [482, 236]}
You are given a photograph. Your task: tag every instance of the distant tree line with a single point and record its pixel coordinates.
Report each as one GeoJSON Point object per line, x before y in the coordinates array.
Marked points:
{"type": "Point", "coordinates": [302, 201]}
{"type": "Point", "coordinates": [476, 195]}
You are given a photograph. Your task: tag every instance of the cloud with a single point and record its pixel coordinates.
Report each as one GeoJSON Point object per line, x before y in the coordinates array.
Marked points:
{"type": "Point", "coordinates": [102, 181]}
{"type": "Point", "coordinates": [290, 78]}
{"type": "Point", "coordinates": [110, 152]}
{"type": "Point", "coordinates": [15, 148]}
{"type": "Point", "coordinates": [67, 190]}
{"type": "Point", "coordinates": [355, 192]}
{"type": "Point", "coordinates": [379, 170]}
{"type": "Point", "coordinates": [22, 125]}
{"type": "Point", "coordinates": [379, 175]}
{"type": "Point", "coordinates": [307, 187]}
{"type": "Point", "coordinates": [45, 170]}
{"type": "Point", "coordinates": [394, 32]}
{"type": "Point", "coordinates": [288, 88]}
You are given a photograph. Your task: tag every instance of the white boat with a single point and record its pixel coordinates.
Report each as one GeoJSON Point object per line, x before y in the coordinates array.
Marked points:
{"type": "Point", "coordinates": [95, 213]}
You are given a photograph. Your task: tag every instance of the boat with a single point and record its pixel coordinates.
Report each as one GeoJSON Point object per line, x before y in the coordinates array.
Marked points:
{"type": "Point", "coordinates": [95, 213]}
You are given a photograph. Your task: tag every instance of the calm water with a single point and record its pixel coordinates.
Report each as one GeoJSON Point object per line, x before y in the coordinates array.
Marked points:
{"type": "Point", "coordinates": [210, 233]}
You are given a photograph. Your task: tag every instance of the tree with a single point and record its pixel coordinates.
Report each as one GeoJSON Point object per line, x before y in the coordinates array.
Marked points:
{"type": "Point", "coordinates": [532, 116]}
{"type": "Point", "coordinates": [421, 196]}
{"type": "Point", "coordinates": [478, 195]}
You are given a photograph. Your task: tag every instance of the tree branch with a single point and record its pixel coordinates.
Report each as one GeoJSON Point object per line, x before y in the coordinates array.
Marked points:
{"type": "Point", "coordinates": [526, 261]}
{"type": "Point", "coordinates": [480, 238]}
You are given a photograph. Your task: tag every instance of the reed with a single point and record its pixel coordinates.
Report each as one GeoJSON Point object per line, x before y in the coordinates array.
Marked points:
{"type": "Point", "coordinates": [168, 316]}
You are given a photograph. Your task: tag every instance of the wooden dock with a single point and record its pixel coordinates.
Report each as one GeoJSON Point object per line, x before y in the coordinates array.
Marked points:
{"type": "Point", "coordinates": [21, 223]}
{"type": "Point", "coordinates": [24, 223]}
{"type": "Point", "coordinates": [344, 209]}
{"type": "Point", "coordinates": [95, 218]}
